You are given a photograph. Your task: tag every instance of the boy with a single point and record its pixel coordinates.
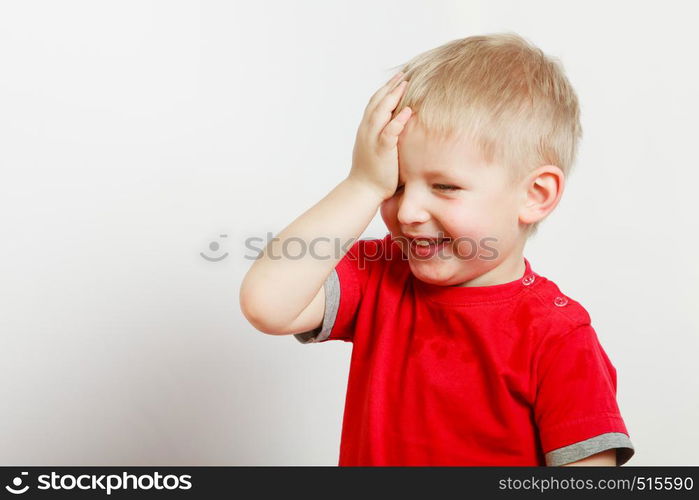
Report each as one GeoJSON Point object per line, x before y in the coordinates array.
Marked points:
{"type": "Point", "coordinates": [462, 354]}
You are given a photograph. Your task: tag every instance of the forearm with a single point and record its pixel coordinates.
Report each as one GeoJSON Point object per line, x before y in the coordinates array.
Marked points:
{"type": "Point", "coordinates": [284, 279]}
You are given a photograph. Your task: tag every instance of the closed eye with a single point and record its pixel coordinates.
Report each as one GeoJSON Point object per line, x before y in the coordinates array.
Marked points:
{"type": "Point", "coordinates": [446, 187]}
{"type": "Point", "coordinates": [441, 187]}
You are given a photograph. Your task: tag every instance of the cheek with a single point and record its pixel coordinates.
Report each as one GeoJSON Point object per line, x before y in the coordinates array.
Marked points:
{"type": "Point", "coordinates": [389, 213]}
{"type": "Point", "coordinates": [491, 226]}
{"type": "Point", "coordinates": [464, 219]}
{"type": "Point", "coordinates": [474, 223]}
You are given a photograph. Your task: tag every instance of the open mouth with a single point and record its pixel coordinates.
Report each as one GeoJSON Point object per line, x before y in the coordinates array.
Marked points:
{"type": "Point", "coordinates": [424, 247]}
{"type": "Point", "coordinates": [426, 241]}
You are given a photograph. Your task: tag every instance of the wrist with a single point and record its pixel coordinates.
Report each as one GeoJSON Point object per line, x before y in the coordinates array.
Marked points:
{"type": "Point", "coordinates": [373, 193]}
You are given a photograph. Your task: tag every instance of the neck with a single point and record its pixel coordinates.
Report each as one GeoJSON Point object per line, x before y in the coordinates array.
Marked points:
{"type": "Point", "coordinates": [511, 268]}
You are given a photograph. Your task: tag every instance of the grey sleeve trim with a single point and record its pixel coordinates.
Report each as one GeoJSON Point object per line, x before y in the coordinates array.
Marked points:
{"type": "Point", "coordinates": [582, 449]}
{"type": "Point", "coordinates": [332, 303]}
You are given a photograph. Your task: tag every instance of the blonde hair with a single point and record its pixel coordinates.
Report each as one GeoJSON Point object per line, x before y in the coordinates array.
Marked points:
{"type": "Point", "coordinates": [503, 93]}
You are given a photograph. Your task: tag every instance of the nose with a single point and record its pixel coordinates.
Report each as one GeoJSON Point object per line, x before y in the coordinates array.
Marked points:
{"type": "Point", "coordinates": [411, 208]}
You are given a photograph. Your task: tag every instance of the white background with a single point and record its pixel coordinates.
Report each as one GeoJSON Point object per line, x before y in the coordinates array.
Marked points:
{"type": "Point", "coordinates": [133, 134]}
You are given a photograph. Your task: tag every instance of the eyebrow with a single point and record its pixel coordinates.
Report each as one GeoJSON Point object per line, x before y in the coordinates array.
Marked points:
{"type": "Point", "coordinates": [432, 174]}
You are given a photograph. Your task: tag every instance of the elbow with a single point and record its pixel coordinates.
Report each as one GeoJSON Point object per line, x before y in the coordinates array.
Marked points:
{"type": "Point", "coordinates": [258, 319]}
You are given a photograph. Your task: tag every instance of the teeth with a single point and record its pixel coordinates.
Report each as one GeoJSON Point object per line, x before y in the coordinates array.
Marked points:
{"type": "Point", "coordinates": [425, 243]}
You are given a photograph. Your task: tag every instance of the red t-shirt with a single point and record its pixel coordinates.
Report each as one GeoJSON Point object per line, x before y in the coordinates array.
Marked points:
{"type": "Point", "coordinates": [510, 374]}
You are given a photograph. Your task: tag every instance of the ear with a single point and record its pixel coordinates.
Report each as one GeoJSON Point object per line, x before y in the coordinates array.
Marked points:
{"type": "Point", "coordinates": [542, 190]}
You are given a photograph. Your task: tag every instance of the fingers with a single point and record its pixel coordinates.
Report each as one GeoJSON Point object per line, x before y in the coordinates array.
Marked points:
{"type": "Point", "coordinates": [385, 89]}
{"type": "Point", "coordinates": [378, 115]}
{"type": "Point", "coordinates": [394, 79]}
{"type": "Point", "coordinates": [389, 135]}
{"type": "Point", "coordinates": [389, 102]}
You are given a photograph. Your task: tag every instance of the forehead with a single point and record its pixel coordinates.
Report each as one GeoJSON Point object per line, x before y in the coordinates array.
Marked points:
{"type": "Point", "coordinates": [422, 153]}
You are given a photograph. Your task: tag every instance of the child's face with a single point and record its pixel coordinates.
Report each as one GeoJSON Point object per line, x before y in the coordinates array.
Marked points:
{"type": "Point", "coordinates": [481, 217]}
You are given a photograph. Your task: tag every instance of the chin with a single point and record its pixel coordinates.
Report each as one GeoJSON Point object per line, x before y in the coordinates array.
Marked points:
{"type": "Point", "coordinates": [432, 276]}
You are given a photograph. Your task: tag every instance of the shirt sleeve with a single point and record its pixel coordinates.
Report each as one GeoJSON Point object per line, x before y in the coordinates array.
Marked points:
{"type": "Point", "coordinates": [331, 289]}
{"type": "Point", "coordinates": [575, 407]}
{"type": "Point", "coordinates": [344, 288]}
